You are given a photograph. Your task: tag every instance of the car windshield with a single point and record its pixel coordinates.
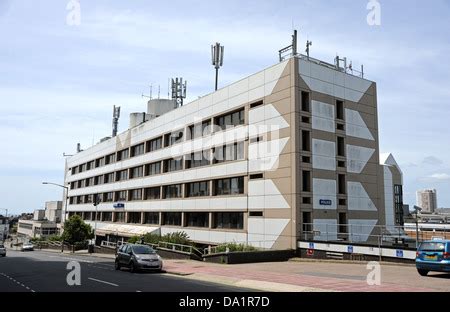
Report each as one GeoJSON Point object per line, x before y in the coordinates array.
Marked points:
{"type": "Point", "coordinates": [1, 246]}
{"type": "Point", "coordinates": [432, 246]}
{"type": "Point", "coordinates": [143, 250]}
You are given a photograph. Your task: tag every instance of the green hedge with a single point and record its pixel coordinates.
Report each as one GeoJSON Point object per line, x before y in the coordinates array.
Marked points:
{"type": "Point", "coordinates": [234, 247]}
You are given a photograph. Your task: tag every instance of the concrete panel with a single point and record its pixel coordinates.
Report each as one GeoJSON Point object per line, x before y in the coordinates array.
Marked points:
{"type": "Point", "coordinates": [324, 194]}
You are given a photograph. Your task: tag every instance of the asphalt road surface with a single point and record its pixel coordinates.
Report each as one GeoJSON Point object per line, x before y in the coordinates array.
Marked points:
{"type": "Point", "coordinates": [38, 271]}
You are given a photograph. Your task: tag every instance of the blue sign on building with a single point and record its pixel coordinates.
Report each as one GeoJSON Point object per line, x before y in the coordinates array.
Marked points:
{"type": "Point", "coordinates": [350, 249]}
{"type": "Point", "coordinates": [325, 202]}
{"type": "Point", "coordinates": [119, 205]}
{"type": "Point", "coordinates": [399, 253]}
{"type": "Point", "coordinates": [311, 245]}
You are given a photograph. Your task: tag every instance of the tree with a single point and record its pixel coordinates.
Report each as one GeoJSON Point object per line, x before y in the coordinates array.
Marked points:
{"type": "Point", "coordinates": [76, 230]}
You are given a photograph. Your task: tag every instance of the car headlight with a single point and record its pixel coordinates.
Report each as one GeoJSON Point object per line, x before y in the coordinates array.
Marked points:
{"type": "Point", "coordinates": [137, 257]}
{"type": "Point", "coordinates": [159, 257]}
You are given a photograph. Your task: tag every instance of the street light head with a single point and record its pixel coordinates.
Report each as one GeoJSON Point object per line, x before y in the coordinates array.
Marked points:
{"type": "Point", "coordinates": [44, 182]}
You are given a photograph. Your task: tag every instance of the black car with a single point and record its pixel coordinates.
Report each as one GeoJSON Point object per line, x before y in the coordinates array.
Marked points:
{"type": "Point", "coordinates": [138, 257]}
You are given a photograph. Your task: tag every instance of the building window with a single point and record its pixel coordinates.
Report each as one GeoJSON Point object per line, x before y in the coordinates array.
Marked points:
{"type": "Point", "coordinates": [340, 110]}
{"type": "Point", "coordinates": [75, 170]}
{"type": "Point", "coordinates": [152, 193]}
{"type": "Point", "coordinates": [306, 138]}
{"type": "Point", "coordinates": [173, 138]}
{"type": "Point", "coordinates": [135, 194]}
{"type": "Point", "coordinates": [99, 162]}
{"type": "Point", "coordinates": [89, 182]}
{"type": "Point", "coordinates": [81, 183]}
{"type": "Point", "coordinates": [255, 214]}
{"type": "Point", "coordinates": [307, 223]}
{"type": "Point", "coordinates": [197, 219]}
{"type": "Point", "coordinates": [342, 202]}
{"type": "Point", "coordinates": [152, 169]}
{"type": "Point", "coordinates": [151, 217]}
{"type": "Point", "coordinates": [82, 167]}
{"type": "Point", "coordinates": [228, 220]}
{"type": "Point", "coordinates": [122, 175]}
{"type": "Point", "coordinates": [136, 172]}
{"type": "Point", "coordinates": [306, 159]}
{"type": "Point", "coordinates": [341, 164]}
{"type": "Point", "coordinates": [108, 197]}
{"type": "Point", "coordinates": [256, 176]}
{"type": "Point", "coordinates": [172, 191]}
{"type": "Point", "coordinates": [231, 119]}
{"type": "Point", "coordinates": [71, 200]}
{"type": "Point", "coordinates": [340, 126]}
{"type": "Point", "coordinates": [108, 178]}
{"type": "Point", "coordinates": [229, 152]}
{"type": "Point", "coordinates": [398, 204]}
{"type": "Point", "coordinates": [200, 130]}
{"type": "Point", "coordinates": [119, 217]}
{"type": "Point", "coordinates": [306, 181]}
{"type": "Point", "coordinates": [134, 217]}
{"type": "Point", "coordinates": [196, 189]}
{"type": "Point", "coordinates": [90, 165]}
{"type": "Point", "coordinates": [137, 150]}
{"type": "Point", "coordinates": [306, 119]}
{"type": "Point", "coordinates": [341, 184]}
{"type": "Point", "coordinates": [173, 164]}
{"type": "Point", "coordinates": [121, 196]}
{"type": "Point", "coordinates": [107, 216]}
{"type": "Point", "coordinates": [171, 218]}
{"type": "Point", "coordinates": [229, 186]}
{"type": "Point", "coordinates": [87, 215]}
{"type": "Point", "coordinates": [154, 145]}
{"type": "Point", "coordinates": [306, 200]}
{"type": "Point", "coordinates": [73, 185]}
{"type": "Point", "coordinates": [109, 159]}
{"type": "Point", "coordinates": [123, 154]}
{"type": "Point", "coordinates": [340, 146]}
{"type": "Point", "coordinates": [305, 101]}
{"type": "Point", "coordinates": [198, 159]}
{"type": "Point", "coordinates": [256, 104]}
{"type": "Point", "coordinates": [98, 180]}
{"type": "Point", "coordinates": [88, 199]}
{"type": "Point", "coordinates": [342, 223]}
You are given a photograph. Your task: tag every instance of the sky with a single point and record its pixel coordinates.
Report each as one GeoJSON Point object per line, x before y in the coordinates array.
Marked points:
{"type": "Point", "coordinates": [59, 80]}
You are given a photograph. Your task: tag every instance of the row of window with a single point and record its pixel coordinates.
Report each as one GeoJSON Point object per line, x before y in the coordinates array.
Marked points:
{"type": "Point", "coordinates": [193, 131]}
{"type": "Point", "coordinates": [227, 186]}
{"type": "Point", "coordinates": [220, 220]}
{"type": "Point", "coordinates": [306, 105]}
{"type": "Point", "coordinates": [220, 154]}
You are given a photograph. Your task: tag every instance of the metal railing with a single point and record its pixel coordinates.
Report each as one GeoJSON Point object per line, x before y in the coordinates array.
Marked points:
{"type": "Point", "coordinates": [179, 247]}
{"type": "Point", "coordinates": [370, 235]}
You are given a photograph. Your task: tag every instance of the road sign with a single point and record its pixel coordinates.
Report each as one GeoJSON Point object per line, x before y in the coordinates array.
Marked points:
{"type": "Point", "coordinates": [119, 205]}
{"type": "Point", "coordinates": [350, 249]}
{"type": "Point", "coordinates": [325, 202]}
{"type": "Point", "coordinates": [399, 253]}
{"type": "Point", "coordinates": [310, 252]}
{"type": "Point", "coordinates": [311, 245]}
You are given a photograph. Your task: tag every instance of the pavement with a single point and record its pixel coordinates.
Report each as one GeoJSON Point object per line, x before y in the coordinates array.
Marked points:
{"type": "Point", "coordinates": [301, 275]}
{"type": "Point", "coordinates": [53, 271]}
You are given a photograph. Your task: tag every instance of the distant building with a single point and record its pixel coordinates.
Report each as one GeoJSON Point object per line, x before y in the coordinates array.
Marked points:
{"type": "Point", "coordinates": [4, 227]}
{"type": "Point", "coordinates": [427, 200]}
{"type": "Point", "coordinates": [44, 222]}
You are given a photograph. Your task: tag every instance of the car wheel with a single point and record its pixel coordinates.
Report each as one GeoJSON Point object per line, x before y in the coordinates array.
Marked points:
{"type": "Point", "coordinates": [132, 267]}
{"type": "Point", "coordinates": [422, 272]}
{"type": "Point", "coordinates": [117, 265]}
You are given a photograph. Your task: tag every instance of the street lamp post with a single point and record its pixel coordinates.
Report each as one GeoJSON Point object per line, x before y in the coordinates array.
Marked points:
{"type": "Point", "coordinates": [417, 209]}
{"type": "Point", "coordinates": [65, 204]}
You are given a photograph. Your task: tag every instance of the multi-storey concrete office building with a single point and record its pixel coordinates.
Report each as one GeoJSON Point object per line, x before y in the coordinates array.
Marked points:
{"type": "Point", "coordinates": [289, 151]}
{"type": "Point", "coordinates": [427, 200]}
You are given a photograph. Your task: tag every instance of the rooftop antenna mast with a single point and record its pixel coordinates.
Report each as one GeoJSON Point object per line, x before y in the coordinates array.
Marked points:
{"type": "Point", "coordinates": [115, 120]}
{"type": "Point", "coordinates": [179, 90]}
{"type": "Point", "coordinates": [150, 94]}
{"type": "Point", "coordinates": [308, 44]}
{"type": "Point", "coordinates": [217, 59]}
{"type": "Point", "coordinates": [292, 46]}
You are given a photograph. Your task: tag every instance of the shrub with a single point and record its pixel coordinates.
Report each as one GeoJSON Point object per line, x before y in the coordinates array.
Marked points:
{"type": "Point", "coordinates": [235, 247]}
{"type": "Point", "coordinates": [134, 239]}
{"type": "Point", "coordinates": [54, 238]}
{"type": "Point", "coordinates": [152, 238]}
{"type": "Point", "coordinates": [181, 238]}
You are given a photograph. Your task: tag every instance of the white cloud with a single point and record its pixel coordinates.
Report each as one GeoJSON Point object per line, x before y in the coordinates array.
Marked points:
{"type": "Point", "coordinates": [440, 176]}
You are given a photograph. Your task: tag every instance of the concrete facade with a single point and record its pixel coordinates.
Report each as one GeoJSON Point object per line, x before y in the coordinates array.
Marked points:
{"type": "Point", "coordinates": [301, 159]}
{"type": "Point", "coordinates": [427, 200]}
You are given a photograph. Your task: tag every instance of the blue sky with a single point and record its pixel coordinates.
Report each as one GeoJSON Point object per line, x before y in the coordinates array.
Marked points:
{"type": "Point", "coordinates": [58, 82]}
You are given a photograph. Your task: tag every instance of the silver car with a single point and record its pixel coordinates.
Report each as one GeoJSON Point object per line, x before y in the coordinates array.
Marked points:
{"type": "Point", "coordinates": [2, 250]}
{"type": "Point", "coordinates": [138, 257]}
{"type": "Point", "coordinates": [27, 247]}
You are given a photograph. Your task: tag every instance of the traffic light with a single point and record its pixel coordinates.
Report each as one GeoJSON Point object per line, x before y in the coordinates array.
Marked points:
{"type": "Point", "coordinates": [97, 199]}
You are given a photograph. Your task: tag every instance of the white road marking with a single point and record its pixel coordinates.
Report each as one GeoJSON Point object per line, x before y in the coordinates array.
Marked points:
{"type": "Point", "coordinates": [100, 281]}
{"type": "Point", "coordinates": [17, 282]}
{"type": "Point", "coordinates": [138, 290]}
{"type": "Point", "coordinates": [72, 259]}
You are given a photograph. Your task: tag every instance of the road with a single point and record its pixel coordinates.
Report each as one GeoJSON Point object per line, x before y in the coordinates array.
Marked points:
{"type": "Point", "coordinates": [39, 271]}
